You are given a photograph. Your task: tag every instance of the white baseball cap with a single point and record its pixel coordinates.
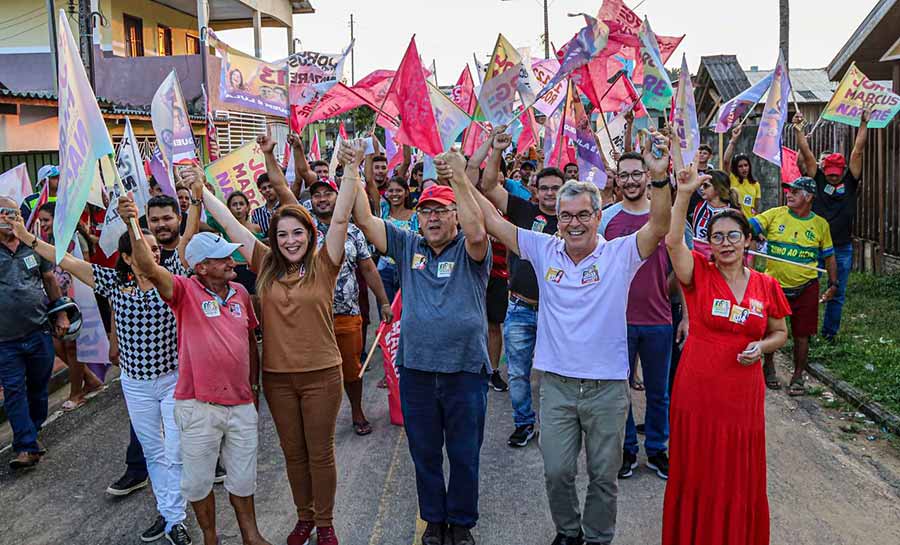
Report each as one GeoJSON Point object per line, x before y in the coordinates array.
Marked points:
{"type": "Point", "coordinates": [47, 171]}
{"type": "Point", "coordinates": [208, 246]}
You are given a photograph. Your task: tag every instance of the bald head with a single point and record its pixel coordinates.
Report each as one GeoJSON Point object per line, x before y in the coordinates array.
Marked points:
{"type": "Point", "coordinates": [7, 202]}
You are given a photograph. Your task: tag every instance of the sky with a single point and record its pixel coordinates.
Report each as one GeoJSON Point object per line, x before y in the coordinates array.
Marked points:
{"type": "Point", "coordinates": [449, 32]}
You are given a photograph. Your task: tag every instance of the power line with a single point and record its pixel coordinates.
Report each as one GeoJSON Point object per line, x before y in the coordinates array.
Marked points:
{"type": "Point", "coordinates": [27, 30]}
{"type": "Point", "coordinates": [12, 22]}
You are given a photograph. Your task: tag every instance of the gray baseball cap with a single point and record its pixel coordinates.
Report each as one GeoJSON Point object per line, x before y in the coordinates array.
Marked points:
{"type": "Point", "coordinates": [208, 246]}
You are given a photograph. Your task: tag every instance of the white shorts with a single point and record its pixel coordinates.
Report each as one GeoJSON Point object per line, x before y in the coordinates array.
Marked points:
{"type": "Point", "coordinates": [205, 429]}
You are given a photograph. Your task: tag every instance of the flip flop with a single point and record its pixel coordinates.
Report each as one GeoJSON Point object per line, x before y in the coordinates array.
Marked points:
{"type": "Point", "coordinates": [69, 405]}
{"type": "Point", "coordinates": [362, 428]}
{"type": "Point", "coordinates": [383, 383]}
{"type": "Point", "coordinates": [796, 388]}
{"type": "Point", "coordinates": [638, 385]}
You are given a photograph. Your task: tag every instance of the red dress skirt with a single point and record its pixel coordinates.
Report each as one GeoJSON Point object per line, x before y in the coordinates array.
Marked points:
{"type": "Point", "coordinates": [716, 492]}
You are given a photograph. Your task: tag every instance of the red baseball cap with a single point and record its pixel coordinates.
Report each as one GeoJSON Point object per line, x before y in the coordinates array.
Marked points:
{"type": "Point", "coordinates": [440, 194]}
{"type": "Point", "coordinates": [326, 182]}
{"type": "Point", "coordinates": [834, 164]}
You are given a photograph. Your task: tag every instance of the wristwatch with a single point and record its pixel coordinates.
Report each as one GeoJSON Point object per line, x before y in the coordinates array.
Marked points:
{"type": "Point", "coordinates": [34, 242]}
{"type": "Point", "coordinates": [659, 183]}
{"type": "Point", "coordinates": [196, 202]}
{"type": "Point", "coordinates": [255, 388]}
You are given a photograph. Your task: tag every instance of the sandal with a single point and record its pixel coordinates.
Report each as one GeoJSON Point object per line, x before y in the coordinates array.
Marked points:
{"type": "Point", "coordinates": [796, 388]}
{"type": "Point", "coordinates": [772, 380]}
{"type": "Point", "coordinates": [362, 428]}
{"type": "Point", "coordinates": [69, 405]}
{"type": "Point", "coordinates": [637, 385]}
{"type": "Point", "coordinates": [383, 383]}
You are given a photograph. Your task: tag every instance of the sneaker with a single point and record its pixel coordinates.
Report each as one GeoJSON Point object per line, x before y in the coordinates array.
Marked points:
{"type": "Point", "coordinates": [25, 460]}
{"type": "Point", "coordinates": [497, 382]}
{"type": "Point", "coordinates": [434, 534]}
{"type": "Point", "coordinates": [325, 536]}
{"type": "Point", "coordinates": [660, 464]}
{"type": "Point", "coordinates": [301, 532]}
{"type": "Point", "coordinates": [629, 462]}
{"type": "Point", "coordinates": [178, 535]}
{"type": "Point", "coordinates": [220, 474]}
{"type": "Point", "coordinates": [156, 531]}
{"type": "Point", "coordinates": [127, 484]}
{"type": "Point", "coordinates": [460, 536]}
{"type": "Point", "coordinates": [521, 436]}
{"type": "Point", "coordinates": [562, 539]}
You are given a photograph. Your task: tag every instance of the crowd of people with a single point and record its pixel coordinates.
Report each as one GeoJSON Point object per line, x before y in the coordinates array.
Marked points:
{"type": "Point", "coordinates": [498, 257]}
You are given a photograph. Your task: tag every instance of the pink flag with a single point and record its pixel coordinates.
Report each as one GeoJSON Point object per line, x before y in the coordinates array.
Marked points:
{"type": "Point", "coordinates": [409, 94]}
{"type": "Point", "coordinates": [15, 183]}
{"type": "Point", "coordinates": [391, 150]}
{"type": "Point", "coordinates": [342, 131]}
{"type": "Point", "coordinates": [369, 91]}
{"type": "Point", "coordinates": [388, 336]}
{"type": "Point", "coordinates": [463, 93]}
{"type": "Point", "coordinates": [314, 152]}
{"type": "Point", "coordinates": [790, 171]}
{"type": "Point", "coordinates": [529, 136]}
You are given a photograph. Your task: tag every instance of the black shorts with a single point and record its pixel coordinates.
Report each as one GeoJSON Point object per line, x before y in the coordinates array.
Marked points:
{"type": "Point", "coordinates": [497, 300]}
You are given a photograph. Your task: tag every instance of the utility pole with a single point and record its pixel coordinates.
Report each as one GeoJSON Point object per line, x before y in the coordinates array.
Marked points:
{"type": "Point", "coordinates": [546, 32]}
{"type": "Point", "coordinates": [85, 39]}
{"type": "Point", "coordinates": [54, 60]}
{"type": "Point", "coordinates": [352, 60]}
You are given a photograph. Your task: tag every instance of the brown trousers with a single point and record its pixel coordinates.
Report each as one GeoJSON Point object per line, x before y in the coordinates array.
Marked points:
{"type": "Point", "coordinates": [304, 407]}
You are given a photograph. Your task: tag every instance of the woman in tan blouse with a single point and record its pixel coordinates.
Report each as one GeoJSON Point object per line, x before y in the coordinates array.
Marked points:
{"type": "Point", "coordinates": [302, 378]}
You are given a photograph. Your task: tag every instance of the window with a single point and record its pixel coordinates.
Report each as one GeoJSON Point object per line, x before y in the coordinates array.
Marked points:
{"type": "Point", "coordinates": [134, 36]}
{"type": "Point", "coordinates": [192, 47]}
{"type": "Point", "coordinates": [163, 41]}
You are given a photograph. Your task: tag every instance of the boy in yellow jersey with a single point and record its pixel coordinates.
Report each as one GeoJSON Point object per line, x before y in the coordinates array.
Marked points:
{"type": "Point", "coordinates": [798, 235]}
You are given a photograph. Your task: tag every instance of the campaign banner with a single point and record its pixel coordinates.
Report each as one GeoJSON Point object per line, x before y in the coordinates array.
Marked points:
{"type": "Point", "coordinates": [612, 135]}
{"type": "Point", "coordinates": [168, 114]}
{"type": "Point", "coordinates": [134, 180]}
{"type": "Point", "coordinates": [498, 91]}
{"type": "Point", "coordinates": [451, 120]}
{"type": "Point", "coordinates": [238, 171]}
{"type": "Point", "coordinates": [83, 137]}
{"type": "Point", "coordinates": [312, 74]}
{"type": "Point", "coordinates": [544, 70]}
{"type": "Point", "coordinates": [790, 171]}
{"type": "Point", "coordinates": [591, 167]}
{"type": "Point", "coordinates": [687, 129]}
{"type": "Point", "coordinates": [249, 82]}
{"type": "Point", "coordinates": [388, 336]}
{"type": "Point", "coordinates": [15, 183]}
{"type": "Point", "coordinates": [771, 124]}
{"type": "Point", "coordinates": [657, 87]}
{"type": "Point", "coordinates": [857, 93]}
{"type": "Point", "coordinates": [92, 344]}
{"type": "Point", "coordinates": [735, 109]}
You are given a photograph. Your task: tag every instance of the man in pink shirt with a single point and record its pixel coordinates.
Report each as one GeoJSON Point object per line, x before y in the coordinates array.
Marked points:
{"type": "Point", "coordinates": [218, 382]}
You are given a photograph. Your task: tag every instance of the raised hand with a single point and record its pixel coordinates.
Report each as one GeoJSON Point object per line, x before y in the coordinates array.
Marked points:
{"type": "Point", "coordinates": [501, 141]}
{"type": "Point", "coordinates": [266, 143]}
{"type": "Point", "coordinates": [689, 179]}
{"type": "Point", "coordinates": [295, 141]}
{"type": "Point", "coordinates": [735, 133]}
{"type": "Point", "coordinates": [453, 161]}
{"type": "Point", "coordinates": [658, 166]}
{"type": "Point", "coordinates": [127, 209]}
{"type": "Point", "coordinates": [351, 154]}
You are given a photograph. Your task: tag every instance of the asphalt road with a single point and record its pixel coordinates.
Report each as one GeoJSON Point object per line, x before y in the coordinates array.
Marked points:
{"type": "Point", "coordinates": [823, 486]}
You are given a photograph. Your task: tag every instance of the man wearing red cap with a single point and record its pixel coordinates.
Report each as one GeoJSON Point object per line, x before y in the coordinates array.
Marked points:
{"type": "Point", "coordinates": [442, 357]}
{"type": "Point", "coordinates": [837, 187]}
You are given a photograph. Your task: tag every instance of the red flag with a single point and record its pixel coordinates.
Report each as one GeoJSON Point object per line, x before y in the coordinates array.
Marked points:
{"type": "Point", "coordinates": [388, 336]}
{"type": "Point", "coordinates": [463, 94]}
{"type": "Point", "coordinates": [369, 91]}
{"type": "Point", "coordinates": [409, 94]}
{"type": "Point", "coordinates": [790, 171]}
{"type": "Point", "coordinates": [529, 136]}
{"type": "Point", "coordinates": [314, 153]}
{"type": "Point", "coordinates": [42, 200]}
{"type": "Point", "coordinates": [342, 131]}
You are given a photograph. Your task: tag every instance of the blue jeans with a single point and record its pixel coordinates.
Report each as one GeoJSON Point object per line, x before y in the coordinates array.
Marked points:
{"type": "Point", "coordinates": [654, 344]}
{"type": "Point", "coordinates": [439, 407]}
{"type": "Point", "coordinates": [832, 322]}
{"type": "Point", "coordinates": [390, 278]}
{"type": "Point", "coordinates": [25, 367]}
{"type": "Point", "coordinates": [519, 335]}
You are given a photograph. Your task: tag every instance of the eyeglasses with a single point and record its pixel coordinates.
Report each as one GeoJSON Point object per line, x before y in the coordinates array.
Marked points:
{"type": "Point", "coordinates": [549, 188]}
{"type": "Point", "coordinates": [719, 238]}
{"type": "Point", "coordinates": [9, 211]}
{"type": "Point", "coordinates": [441, 212]}
{"type": "Point", "coordinates": [583, 216]}
{"type": "Point", "coordinates": [635, 175]}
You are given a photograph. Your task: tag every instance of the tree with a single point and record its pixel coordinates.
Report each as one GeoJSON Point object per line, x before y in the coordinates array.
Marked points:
{"type": "Point", "coordinates": [784, 26]}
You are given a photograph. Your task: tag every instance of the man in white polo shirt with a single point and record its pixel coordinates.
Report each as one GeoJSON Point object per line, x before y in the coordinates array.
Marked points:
{"type": "Point", "coordinates": [582, 343]}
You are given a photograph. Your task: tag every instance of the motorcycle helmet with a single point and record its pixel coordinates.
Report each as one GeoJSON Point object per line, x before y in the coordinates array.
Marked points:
{"type": "Point", "coordinates": [67, 305]}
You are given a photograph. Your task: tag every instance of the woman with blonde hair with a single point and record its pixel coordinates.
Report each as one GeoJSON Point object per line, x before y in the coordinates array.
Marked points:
{"type": "Point", "coordinates": [302, 378]}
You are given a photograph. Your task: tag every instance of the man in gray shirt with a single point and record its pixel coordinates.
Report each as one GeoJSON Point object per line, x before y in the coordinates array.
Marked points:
{"type": "Point", "coordinates": [26, 348]}
{"type": "Point", "coordinates": [442, 357]}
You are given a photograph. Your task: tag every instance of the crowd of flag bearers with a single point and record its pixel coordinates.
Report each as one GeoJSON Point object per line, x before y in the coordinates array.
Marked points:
{"type": "Point", "coordinates": [502, 225]}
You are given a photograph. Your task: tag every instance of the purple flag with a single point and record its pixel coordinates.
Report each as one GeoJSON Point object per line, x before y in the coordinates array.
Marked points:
{"type": "Point", "coordinates": [771, 124]}
{"type": "Point", "coordinates": [161, 173]}
{"type": "Point", "coordinates": [736, 108]}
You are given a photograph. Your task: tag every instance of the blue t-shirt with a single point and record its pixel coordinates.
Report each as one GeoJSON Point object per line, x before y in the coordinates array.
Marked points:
{"type": "Point", "coordinates": [443, 304]}
{"type": "Point", "coordinates": [515, 187]}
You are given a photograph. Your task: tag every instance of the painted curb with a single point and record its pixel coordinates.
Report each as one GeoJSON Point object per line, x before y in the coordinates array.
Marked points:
{"type": "Point", "coordinates": [870, 408]}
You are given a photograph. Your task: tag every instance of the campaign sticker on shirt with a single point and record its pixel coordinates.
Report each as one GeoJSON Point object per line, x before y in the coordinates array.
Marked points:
{"type": "Point", "coordinates": [748, 200]}
{"type": "Point", "coordinates": [739, 314]}
{"type": "Point", "coordinates": [539, 223]}
{"type": "Point", "coordinates": [445, 269]}
{"type": "Point", "coordinates": [210, 309]}
{"type": "Point", "coordinates": [756, 307]}
{"type": "Point", "coordinates": [590, 276]}
{"type": "Point", "coordinates": [235, 309]}
{"type": "Point", "coordinates": [721, 307]}
{"type": "Point", "coordinates": [30, 262]}
{"type": "Point", "coordinates": [418, 262]}
{"type": "Point", "coordinates": [554, 275]}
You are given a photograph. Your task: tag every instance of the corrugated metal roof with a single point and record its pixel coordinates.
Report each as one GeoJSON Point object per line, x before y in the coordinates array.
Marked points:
{"type": "Point", "coordinates": [726, 75]}
{"type": "Point", "coordinates": [106, 105]}
{"type": "Point", "coordinates": [811, 85]}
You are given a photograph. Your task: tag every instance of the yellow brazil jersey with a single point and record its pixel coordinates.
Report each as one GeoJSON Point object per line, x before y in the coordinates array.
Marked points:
{"type": "Point", "coordinates": [800, 240]}
{"type": "Point", "coordinates": [749, 193]}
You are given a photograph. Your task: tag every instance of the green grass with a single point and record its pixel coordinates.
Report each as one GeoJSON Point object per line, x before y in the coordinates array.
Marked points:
{"type": "Point", "coordinates": [867, 351]}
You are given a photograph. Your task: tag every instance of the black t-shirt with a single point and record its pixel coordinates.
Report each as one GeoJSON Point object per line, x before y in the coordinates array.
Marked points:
{"type": "Point", "coordinates": [526, 215]}
{"type": "Point", "coordinates": [837, 204]}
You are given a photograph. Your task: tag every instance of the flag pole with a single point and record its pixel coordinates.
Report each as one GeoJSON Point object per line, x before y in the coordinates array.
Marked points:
{"type": "Point", "coordinates": [365, 365]}
{"type": "Point", "coordinates": [772, 257]}
{"type": "Point", "coordinates": [117, 181]}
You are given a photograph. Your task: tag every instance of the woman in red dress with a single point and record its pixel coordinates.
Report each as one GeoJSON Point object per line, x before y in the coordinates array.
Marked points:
{"type": "Point", "coordinates": [716, 493]}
